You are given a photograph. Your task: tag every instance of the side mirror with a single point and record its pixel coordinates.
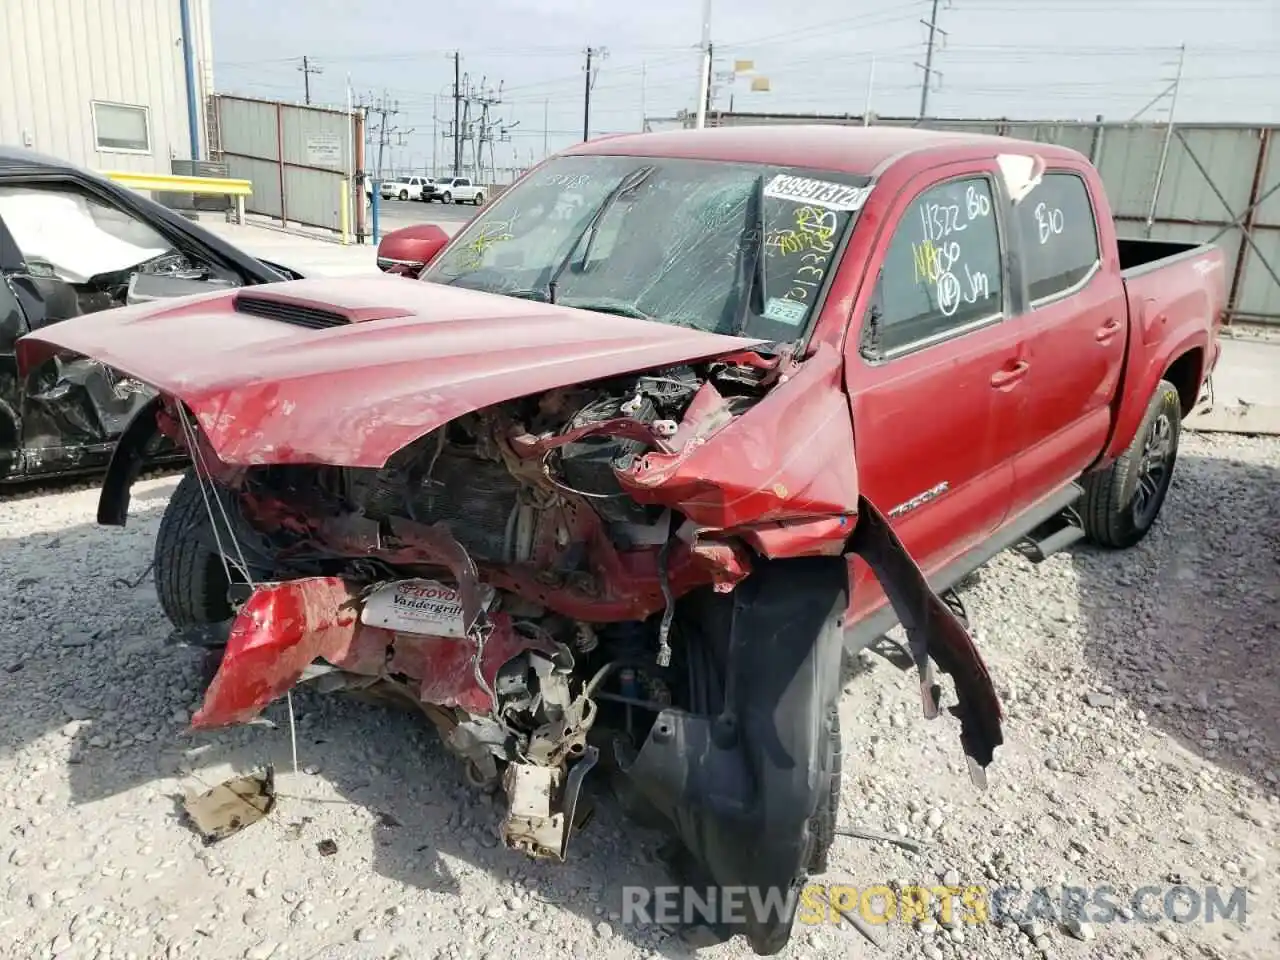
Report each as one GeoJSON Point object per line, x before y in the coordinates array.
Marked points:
{"type": "Point", "coordinates": [407, 250]}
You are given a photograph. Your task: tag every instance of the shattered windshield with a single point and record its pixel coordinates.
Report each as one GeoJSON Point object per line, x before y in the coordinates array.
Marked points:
{"type": "Point", "coordinates": [730, 248]}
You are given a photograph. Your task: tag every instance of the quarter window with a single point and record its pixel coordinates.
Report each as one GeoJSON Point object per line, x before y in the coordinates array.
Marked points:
{"type": "Point", "coordinates": [120, 126]}
{"type": "Point", "coordinates": [1060, 235]}
{"type": "Point", "coordinates": [942, 270]}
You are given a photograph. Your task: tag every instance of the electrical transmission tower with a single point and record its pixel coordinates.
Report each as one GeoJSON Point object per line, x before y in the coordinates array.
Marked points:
{"type": "Point", "coordinates": [929, 72]}
{"type": "Point", "coordinates": [474, 127]}
{"type": "Point", "coordinates": [379, 111]}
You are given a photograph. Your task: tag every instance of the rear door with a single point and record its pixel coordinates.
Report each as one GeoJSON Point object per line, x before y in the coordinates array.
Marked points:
{"type": "Point", "coordinates": [1076, 323]}
{"type": "Point", "coordinates": [935, 376]}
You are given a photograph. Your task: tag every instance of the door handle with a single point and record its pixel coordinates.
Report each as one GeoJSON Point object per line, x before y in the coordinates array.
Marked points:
{"type": "Point", "coordinates": [1108, 330]}
{"type": "Point", "coordinates": [1010, 375]}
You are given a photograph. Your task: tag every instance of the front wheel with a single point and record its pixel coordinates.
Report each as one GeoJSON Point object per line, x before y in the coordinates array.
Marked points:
{"type": "Point", "coordinates": [191, 581]}
{"type": "Point", "coordinates": [404, 194]}
{"type": "Point", "coordinates": [1121, 503]}
{"type": "Point", "coordinates": [447, 198]}
{"type": "Point", "coordinates": [822, 825]}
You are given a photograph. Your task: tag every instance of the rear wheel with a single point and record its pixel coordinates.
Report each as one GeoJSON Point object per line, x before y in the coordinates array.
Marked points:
{"type": "Point", "coordinates": [479, 199]}
{"type": "Point", "coordinates": [1121, 503]}
{"type": "Point", "coordinates": [191, 581]}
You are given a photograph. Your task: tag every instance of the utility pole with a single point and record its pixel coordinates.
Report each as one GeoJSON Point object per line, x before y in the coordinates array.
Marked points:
{"type": "Point", "coordinates": [307, 71]}
{"type": "Point", "coordinates": [871, 83]}
{"type": "Point", "coordinates": [927, 66]}
{"type": "Point", "coordinates": [644, 112]}
{"type": "Point", "coordinates": [710, 84]}
{"type": "Point", "coordinates": [457, 113]}
{"type": "Point", "coordinates": [586, 99]}
{"type": "Point", "coordinates": [704, 75]}
{"type": "Point", "coordinates": [1168, 137]}
{"type": "Point", "coordinates": [593, 54]}
{"type": "Point", "coordinates": [546, 107]}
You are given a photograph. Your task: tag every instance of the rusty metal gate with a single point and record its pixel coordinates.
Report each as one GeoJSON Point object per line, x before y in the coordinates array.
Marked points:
{"type": "Point", "coordinates": [1216, 183]}
{"type": "Point", "coordinates": [299, 158]}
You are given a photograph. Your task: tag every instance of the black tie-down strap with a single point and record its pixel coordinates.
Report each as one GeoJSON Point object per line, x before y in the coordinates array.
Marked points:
{"type": "Point", "coordinates": [933, 633]}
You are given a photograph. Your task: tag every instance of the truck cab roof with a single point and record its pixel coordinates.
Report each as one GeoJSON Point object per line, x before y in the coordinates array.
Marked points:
{"type": "Point", "coordinates": [863, 151]}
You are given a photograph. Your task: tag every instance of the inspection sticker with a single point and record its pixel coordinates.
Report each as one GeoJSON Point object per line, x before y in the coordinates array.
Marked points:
{"type": "Point", "coordinates": [420, 606]}
{"type": "Point", "coordinates": [784, 311]}
{"type": "Point", "coordinates": [823, 193]}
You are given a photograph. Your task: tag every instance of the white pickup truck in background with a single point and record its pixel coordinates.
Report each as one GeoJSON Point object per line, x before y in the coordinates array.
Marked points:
{"type": "Point", "coordinates": [454, 190]}
{"type": "Point", "coordinates": [404, 188]}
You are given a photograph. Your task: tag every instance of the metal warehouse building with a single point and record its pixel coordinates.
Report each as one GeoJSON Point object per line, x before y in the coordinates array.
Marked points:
{"type": "Point", "coordinates": [106, 84]}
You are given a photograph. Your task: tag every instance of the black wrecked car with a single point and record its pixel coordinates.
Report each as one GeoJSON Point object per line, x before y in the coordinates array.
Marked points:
{"type": "Point", "coordinates": [73, 242]}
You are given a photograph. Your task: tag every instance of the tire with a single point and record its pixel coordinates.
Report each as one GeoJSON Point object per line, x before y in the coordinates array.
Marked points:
{"type": "Point", "coordinates": [446, 198]}
{"type": "Point", "coordinates": [1121, 503]}
{"type": "Point", "coordinates": [479, 199]}
{"type": "Point", "coordinates": [404, 194]}
{"type": "Point", "coordinates": [822, 825]}
{"type": "Point", "coordinates": [191, 581]}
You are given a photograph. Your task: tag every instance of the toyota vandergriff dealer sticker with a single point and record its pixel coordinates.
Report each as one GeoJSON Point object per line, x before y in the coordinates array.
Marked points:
{"type": "Point", "coordinates": [420, 606]}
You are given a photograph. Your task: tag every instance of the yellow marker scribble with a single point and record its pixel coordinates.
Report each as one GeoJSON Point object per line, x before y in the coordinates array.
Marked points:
{"type": "Point", "coordinates": [925, 257]}
{"type": "Point", "coordinates": [787, 242]}
{"type": "Point", "coordinates": [816, 221]}
{"type": "Point", "coordinates": [491, 234]}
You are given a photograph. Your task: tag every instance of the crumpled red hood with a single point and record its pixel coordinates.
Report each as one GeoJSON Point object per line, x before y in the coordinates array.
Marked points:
{"type": "Point", "coordinates": [407, 358]}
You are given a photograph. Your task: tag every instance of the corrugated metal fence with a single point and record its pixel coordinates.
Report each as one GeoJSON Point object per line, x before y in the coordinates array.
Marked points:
{"type": "Point", "coordinates": [1219, 183]}
{"type": "Point", "coordinates": [298, 158]}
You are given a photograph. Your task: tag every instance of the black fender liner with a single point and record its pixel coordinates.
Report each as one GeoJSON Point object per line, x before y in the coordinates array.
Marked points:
{"type": "Point", "coordinates": [933, 633]}
{"type": "Point", "coordinates": [740, 787]}
{"type": "Point", "coordinates": [127, 461]}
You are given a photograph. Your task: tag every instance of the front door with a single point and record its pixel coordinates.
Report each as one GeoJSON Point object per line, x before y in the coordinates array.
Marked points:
{"type": "Point", "coordinates": [65, 252]}
{"type": "Point", "coordinates": [935, 373]}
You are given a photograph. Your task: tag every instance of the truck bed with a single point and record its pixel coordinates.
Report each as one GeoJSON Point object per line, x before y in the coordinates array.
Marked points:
{"type": "Point", "coordinates": [1136, 255]}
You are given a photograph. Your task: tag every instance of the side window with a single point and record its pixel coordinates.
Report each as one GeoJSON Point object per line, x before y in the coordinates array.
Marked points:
{"type": "Point", "coordinates": [464, 182]}
{"type": "Point", "coordinates": [942, 269]}
{"type": "Point", "coordinates": [1059, 235]}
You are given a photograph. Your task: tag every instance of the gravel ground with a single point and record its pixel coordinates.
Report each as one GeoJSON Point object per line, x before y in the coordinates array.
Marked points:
{"type": "Point", "coordinates": [1143, 747]}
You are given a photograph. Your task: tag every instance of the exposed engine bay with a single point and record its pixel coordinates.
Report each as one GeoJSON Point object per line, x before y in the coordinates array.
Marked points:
{"type": "Point", "coordinates": [559, 584]}
{"type": "Point", "coordinates": [483, 562]}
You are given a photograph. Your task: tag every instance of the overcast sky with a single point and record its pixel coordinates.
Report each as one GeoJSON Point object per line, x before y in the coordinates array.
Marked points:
{"type": "Point", "coordinates": [1069, 59]}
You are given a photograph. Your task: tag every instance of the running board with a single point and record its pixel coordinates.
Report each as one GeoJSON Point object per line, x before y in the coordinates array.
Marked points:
{"type": "Point", "coordinates": [1053, 536]}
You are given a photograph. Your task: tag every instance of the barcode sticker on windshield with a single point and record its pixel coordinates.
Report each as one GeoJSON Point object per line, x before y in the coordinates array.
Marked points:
{"type": "Point", "coordinates": [784, 311]}
{"type": "Point", "coordinates": [823, 193]}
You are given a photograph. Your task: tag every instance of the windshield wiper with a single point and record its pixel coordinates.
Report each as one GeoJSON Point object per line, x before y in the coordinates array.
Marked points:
{"type": "Point", "coordinates": [758, 270]}
{"type": "Point", "coordinates": [609, 306]}
{"type": "Point", "coordinates": [630, 181]}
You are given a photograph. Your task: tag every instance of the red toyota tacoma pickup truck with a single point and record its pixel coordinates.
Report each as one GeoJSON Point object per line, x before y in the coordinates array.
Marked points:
{"type": "Point", "coordinates": [649, 444]}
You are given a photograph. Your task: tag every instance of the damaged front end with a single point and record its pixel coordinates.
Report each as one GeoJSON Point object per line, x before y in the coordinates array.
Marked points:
{"type": "Point", "coordinates": [645, 573]}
